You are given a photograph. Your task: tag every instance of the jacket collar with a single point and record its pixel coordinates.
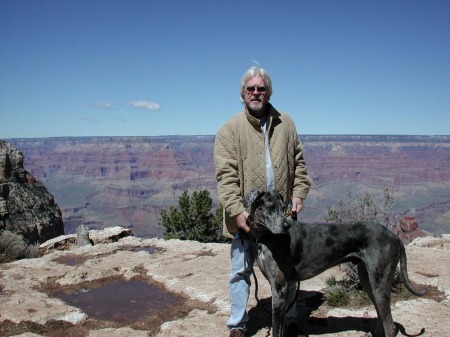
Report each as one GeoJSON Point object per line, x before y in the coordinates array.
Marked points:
{"type": "Point", "coordinates": [271, 115]}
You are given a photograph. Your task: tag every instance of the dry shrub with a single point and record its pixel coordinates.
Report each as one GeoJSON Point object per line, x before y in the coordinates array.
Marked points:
{"type": "Point", "coordinates": [13, 247]}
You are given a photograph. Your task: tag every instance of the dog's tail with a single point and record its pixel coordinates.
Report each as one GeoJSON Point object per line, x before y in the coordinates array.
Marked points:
{"type": "Point", "coordinates": [404, 274]}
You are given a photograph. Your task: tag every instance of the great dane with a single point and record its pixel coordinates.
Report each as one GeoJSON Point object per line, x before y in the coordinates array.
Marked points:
{"type": "Point", "coordinates": [289, 251]}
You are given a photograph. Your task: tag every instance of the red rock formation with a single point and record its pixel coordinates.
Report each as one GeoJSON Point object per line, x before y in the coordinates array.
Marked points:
{"type": "Point", "coordinates": [408, 229]}
{"type": "Point", "coordinates": [127, 180]}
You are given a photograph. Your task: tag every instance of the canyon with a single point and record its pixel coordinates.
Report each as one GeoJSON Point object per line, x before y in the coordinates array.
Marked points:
{"type": "Point", "coordinates": [125, 181]}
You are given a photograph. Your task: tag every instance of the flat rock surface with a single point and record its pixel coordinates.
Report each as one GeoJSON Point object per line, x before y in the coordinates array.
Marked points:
{"type": "Point", "coordinates": [199, 272]}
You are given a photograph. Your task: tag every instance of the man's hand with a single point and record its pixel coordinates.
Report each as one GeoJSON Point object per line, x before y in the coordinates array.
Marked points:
{"type": "Point", "coordinates": [244, 221]}
{"type": "Point", "coordinates": [297, 205]}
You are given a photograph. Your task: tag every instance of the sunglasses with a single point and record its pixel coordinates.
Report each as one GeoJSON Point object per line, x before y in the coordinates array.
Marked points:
{"type": "Point", "coordinates": [260, 89]}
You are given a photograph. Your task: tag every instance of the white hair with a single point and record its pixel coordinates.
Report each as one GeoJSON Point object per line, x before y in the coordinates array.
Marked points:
{"type": "Point", "coordinates": [256, 71]}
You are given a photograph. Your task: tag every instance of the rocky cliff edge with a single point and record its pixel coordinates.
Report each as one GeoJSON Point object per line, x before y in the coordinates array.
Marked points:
{"type": "Point", "coordinates": [26, 206]}
{"type": "Point", "coordinates": [198, 273]}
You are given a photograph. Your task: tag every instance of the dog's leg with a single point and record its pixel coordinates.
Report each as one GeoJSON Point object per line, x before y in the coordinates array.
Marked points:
{"type": "Point", "coordinates": [279, 287]}
{"type": "Point", "coordinates": [381, 276]}
{"type": "Point", "coordinates": [279, 306]}
{"type": "Point", "coordinates": [364, 279]}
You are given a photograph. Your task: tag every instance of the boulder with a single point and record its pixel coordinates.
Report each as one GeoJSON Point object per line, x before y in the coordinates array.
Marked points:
{"type": "Point", "coordinates": [95, 237]}
{"type": "Point", "coordinates": [408, 229]}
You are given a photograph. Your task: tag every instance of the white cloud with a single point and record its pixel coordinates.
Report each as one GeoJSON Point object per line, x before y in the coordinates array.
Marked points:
{"type": "Point", "coordinates": [145, 105]}
{"type": "Point", "coordinates": [101, 105]}
{"type": "Point", "coordinates": [90, 119]}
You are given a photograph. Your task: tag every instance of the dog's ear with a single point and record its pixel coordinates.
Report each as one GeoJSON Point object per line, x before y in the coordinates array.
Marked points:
{"type": "Point", "coordinates": [251, 197]}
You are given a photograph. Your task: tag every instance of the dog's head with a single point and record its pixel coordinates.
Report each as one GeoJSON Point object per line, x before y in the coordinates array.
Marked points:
{"type": "Point", "coordinates": [267, 211]}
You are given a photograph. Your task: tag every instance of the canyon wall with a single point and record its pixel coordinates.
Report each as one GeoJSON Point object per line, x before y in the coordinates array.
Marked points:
{"type": "Point", "coordinates": [26, 206]}
{"type": "Point", "coordinates": [126, 181]}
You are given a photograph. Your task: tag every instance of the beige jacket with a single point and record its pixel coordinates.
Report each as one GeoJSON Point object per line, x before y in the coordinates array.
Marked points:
{"type": "Point", "coordinates": [239, 159]}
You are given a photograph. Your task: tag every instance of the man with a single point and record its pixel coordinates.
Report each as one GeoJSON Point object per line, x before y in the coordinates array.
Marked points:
{"type": "Point", "coordinates": [256, 149]}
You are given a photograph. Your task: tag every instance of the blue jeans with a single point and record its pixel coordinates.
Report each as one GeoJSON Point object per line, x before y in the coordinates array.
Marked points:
{"type": "Point", "coordinates": [239, 286]}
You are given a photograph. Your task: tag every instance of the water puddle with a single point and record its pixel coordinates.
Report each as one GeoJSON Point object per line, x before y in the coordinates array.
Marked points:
{"type": "Point", "coordinates": [149, 250]}
{"type": "Point", "coordinates": [120, 301]}
{"type": "Point", "coordinates": [71, 260]}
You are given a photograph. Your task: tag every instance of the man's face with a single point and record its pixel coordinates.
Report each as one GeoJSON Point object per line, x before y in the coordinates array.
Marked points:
{"type": "Point", "coordinates": [256, 99]}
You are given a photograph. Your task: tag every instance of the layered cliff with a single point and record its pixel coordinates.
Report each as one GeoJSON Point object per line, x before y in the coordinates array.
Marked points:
{"type": "Point", "coordinates": [122, 181]}
{"type": "Point", "coordinates": [26, 206]}
{"type": "Point", "coordinates": [126, 181]}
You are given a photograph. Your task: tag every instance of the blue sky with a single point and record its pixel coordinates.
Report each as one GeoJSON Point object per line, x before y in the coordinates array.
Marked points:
{"type": "Point", "coordinates": [149, 68]}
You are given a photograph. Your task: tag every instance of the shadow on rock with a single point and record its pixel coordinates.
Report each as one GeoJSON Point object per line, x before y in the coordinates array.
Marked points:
{"type": "Point", "coordinates": [307, 302]}
{"type": "Point", "coordinates": [321, 326]}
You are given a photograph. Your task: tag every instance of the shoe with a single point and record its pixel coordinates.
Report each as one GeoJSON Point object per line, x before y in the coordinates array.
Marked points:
{"type": "Point", "coordinates": [237, 333]}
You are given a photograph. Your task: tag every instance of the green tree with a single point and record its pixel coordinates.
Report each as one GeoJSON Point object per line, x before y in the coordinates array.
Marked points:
{"type": "Point", "coordinates": [193, 219]}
